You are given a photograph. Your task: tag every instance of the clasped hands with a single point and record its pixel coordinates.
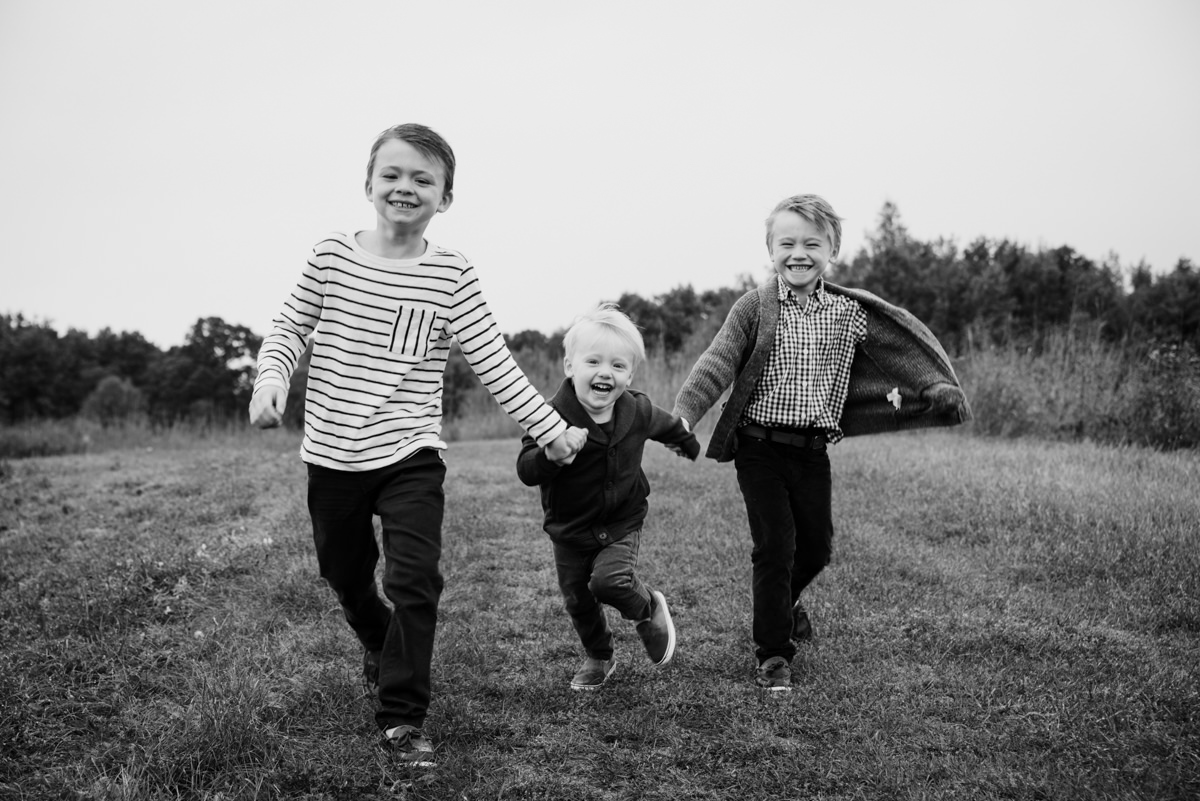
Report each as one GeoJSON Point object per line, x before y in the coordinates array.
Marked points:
{"type": "Point", "coordinates": [569, 443]}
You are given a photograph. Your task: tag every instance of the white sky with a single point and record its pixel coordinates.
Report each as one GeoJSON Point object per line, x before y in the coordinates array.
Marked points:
{"type": "Point", "coordinates": [165, 161]}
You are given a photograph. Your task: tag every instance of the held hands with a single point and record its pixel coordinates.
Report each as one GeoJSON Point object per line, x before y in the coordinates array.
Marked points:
{"type": "Point", "coordinates": [266, 407]}
{"type": "Point", "coordinates": [678, 449]}
{"type": "Point", "coordinates": [563, 449]}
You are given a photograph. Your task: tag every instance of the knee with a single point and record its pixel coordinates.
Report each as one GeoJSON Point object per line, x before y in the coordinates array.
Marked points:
{"type": "Point", "coordinates": [815, 554]}
{"type": "Point", "coordinates": [412, 582]}
{"type": "Point", "coordinates": [778, 555]}
{"type": "Point", "coordinates": [577, 599]}
{"type": "Point", "coordinates": [610, 585]}
{"type": "Point", "coordinates": [347, 581]}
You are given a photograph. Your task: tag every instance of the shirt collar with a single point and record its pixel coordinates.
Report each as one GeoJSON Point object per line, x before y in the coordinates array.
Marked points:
{"type": "Point", "coordinates": [818, 293]}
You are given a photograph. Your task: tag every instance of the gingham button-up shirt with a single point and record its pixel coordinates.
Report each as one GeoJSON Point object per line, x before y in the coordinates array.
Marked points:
{"type": "Point", "coordinates": [807, 375]}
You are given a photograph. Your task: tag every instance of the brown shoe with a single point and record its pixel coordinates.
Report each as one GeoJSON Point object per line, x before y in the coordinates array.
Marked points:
{"type": "Point", "coordinates": [594, 673]}
{"type": "Point", "coordinates": [657, 631]}
{"type": "Point", "coordinates": [774, 675]}
{"type": "Point", "coordinates": [410, 746]}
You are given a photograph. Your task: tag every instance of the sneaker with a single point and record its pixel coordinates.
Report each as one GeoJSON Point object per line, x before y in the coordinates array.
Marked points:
{"type": "Point", "coordinates": [371, 671]}
{"type": "Point", "coordinates": [593, 673]}
{"type": "Point", "coordinates": [801, 625]}
{"type": "Point", "coordinates": [774, 675]}
{"type": "Point", "coordinates": [410, 745]}
{"type": "Point", "coordinates": [657, 631]}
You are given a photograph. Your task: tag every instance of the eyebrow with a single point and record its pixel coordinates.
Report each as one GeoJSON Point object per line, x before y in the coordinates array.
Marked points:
{"type": "Point", "coordinates": [393, 167]}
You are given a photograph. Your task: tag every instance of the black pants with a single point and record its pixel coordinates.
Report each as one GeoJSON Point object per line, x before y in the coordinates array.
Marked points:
{"type": "Point", "coordinates": [409, 500]}
{"type": "Point", "coordinates": [788, 495]}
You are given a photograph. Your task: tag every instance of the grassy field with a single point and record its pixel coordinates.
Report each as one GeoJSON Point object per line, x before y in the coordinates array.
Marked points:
{"type": "Point", "coordinates": [1003, 619]}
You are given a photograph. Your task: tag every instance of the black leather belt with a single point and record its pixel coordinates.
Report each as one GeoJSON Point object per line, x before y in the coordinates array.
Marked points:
{"type": "Point", "coordinates": [815, 441]}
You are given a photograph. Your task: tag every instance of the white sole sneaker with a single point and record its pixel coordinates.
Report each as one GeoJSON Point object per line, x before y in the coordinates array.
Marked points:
{"type": "Point", "coordinates": [591, 688]}
{"type": "Point", "coordinates": [660, 602]}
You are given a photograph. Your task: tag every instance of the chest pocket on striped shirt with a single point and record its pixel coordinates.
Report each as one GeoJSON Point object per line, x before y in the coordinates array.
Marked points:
{"type": "Point", "coordinates": [412, 331]}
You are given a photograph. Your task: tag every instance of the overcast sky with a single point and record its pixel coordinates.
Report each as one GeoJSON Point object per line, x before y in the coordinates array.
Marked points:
{"type": "Point", "coordinates": [163, 161]}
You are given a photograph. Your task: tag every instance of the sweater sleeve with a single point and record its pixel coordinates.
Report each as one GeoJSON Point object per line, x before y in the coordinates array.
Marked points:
{"type": "Point", "coordinates": [533, 468]}
{"type": "Point", "coordinates": [668, 429]}
{"type": "Point", "coordinates": [717, 367]}
{"type": "Point", "coordinates": [486, 351]}
{"type": "Point", "coordinates": [282, 347]}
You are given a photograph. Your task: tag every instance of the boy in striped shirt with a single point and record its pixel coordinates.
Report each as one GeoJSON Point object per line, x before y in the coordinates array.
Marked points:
{"type": "Point", "coordinates": [380, 309]}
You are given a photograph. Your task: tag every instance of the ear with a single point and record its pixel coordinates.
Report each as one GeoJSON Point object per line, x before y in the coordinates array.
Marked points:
{"type": "Point", "coordinates": [447, 199]}
{"type": "Point", "coordinates": [567, 366]}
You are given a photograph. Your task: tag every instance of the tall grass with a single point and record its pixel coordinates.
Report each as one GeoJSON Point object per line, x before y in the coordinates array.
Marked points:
{"type": "Point", "coordinates": [78, 435]}
{"type": "Point", "coordinates": [1076, 385]}
{"type": "Point", "coordinates": [1073, 385]}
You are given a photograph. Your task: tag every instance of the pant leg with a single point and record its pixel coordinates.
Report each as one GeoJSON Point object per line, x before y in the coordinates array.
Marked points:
{"type": "Point", "coordinates": [614, 579]}
{"type": "Point", "coordinates": [574, 567]}
{"type": "Point", "coordinates": [812, 512]}
{"type": "Point", "coordinates": [340, 504]}
{"type": "Point", "coordinates": [410, 504]}
{"type": "Point", "coordinates": [762, 471]}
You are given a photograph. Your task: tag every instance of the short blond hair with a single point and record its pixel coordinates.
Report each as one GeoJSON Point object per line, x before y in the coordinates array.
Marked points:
{"type": "Point", "coordinates": [817, 211]}
{"type": "Point", "coordinates": [607, 318]}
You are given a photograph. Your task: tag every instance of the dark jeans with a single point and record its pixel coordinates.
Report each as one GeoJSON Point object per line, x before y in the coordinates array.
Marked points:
{"type": "Point", "coordinates": [589, 577]}
{"type": "Point", "coordinates": [408, 498]}
{"type": "Point", "coordinates": [788, 494]}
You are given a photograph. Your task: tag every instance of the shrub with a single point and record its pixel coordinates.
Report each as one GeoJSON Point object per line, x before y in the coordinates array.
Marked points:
{"type": "Point", "coordinates": [1164, 408]}
{"type": "Point", "coordinates": [114, 400]}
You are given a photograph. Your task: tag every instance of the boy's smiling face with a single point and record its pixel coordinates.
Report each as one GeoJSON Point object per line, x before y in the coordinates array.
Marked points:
{"type": "Point", "coordinates": [407, 187]}
{"type": "Point", "coordinates": [800, 251]}
{"type": "Point", "coordinates": [600, 368]}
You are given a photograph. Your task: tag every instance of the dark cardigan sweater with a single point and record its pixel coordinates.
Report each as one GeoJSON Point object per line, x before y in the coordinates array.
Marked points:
{"type": "Point", "coordinates": [600, 497]}
{"type": "Point", "coordinates": [899, 353]}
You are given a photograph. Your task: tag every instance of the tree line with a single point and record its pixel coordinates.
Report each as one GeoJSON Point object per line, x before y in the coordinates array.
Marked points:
{"type": "Point", "coordinates": [990, 293]}
{"type": "Point", "coordinates": [999, 292]}
{"type": "Point", "coordinates": [114, 376]}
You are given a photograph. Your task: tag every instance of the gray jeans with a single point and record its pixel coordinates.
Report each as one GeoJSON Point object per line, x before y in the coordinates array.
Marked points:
{"type": "Point", "coordinates": [589, 577]}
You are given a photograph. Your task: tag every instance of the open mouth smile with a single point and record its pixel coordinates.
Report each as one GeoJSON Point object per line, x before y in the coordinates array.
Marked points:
{"type": "Point", "coordinates": [401, 204]}
{"type": "Point", "coordinates": [601, 388]}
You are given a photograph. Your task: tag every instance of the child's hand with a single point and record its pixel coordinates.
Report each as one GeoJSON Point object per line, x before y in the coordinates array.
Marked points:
{"type": "Point", "coordinates": [563, 449]}
{"type": "Point", "coordinates": [679, 449]}
{"type": "Point", "coordinates": [266, 407]}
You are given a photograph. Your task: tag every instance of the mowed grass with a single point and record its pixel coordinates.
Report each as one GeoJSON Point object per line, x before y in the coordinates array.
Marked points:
{"type": "Point", "coordinates": [1002, 620]}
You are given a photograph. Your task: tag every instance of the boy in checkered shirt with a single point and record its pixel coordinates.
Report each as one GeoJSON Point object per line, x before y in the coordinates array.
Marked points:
{"type": "Point", "coordinates": [795, 351]}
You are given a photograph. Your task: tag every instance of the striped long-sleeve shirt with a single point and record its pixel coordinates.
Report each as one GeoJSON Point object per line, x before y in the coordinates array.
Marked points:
{"type": "Point", "coordinates": [381, 331]}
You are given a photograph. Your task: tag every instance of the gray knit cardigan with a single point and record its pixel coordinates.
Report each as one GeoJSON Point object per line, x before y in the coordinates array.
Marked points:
{"type": "Point", "coordinates": [899, 354]}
